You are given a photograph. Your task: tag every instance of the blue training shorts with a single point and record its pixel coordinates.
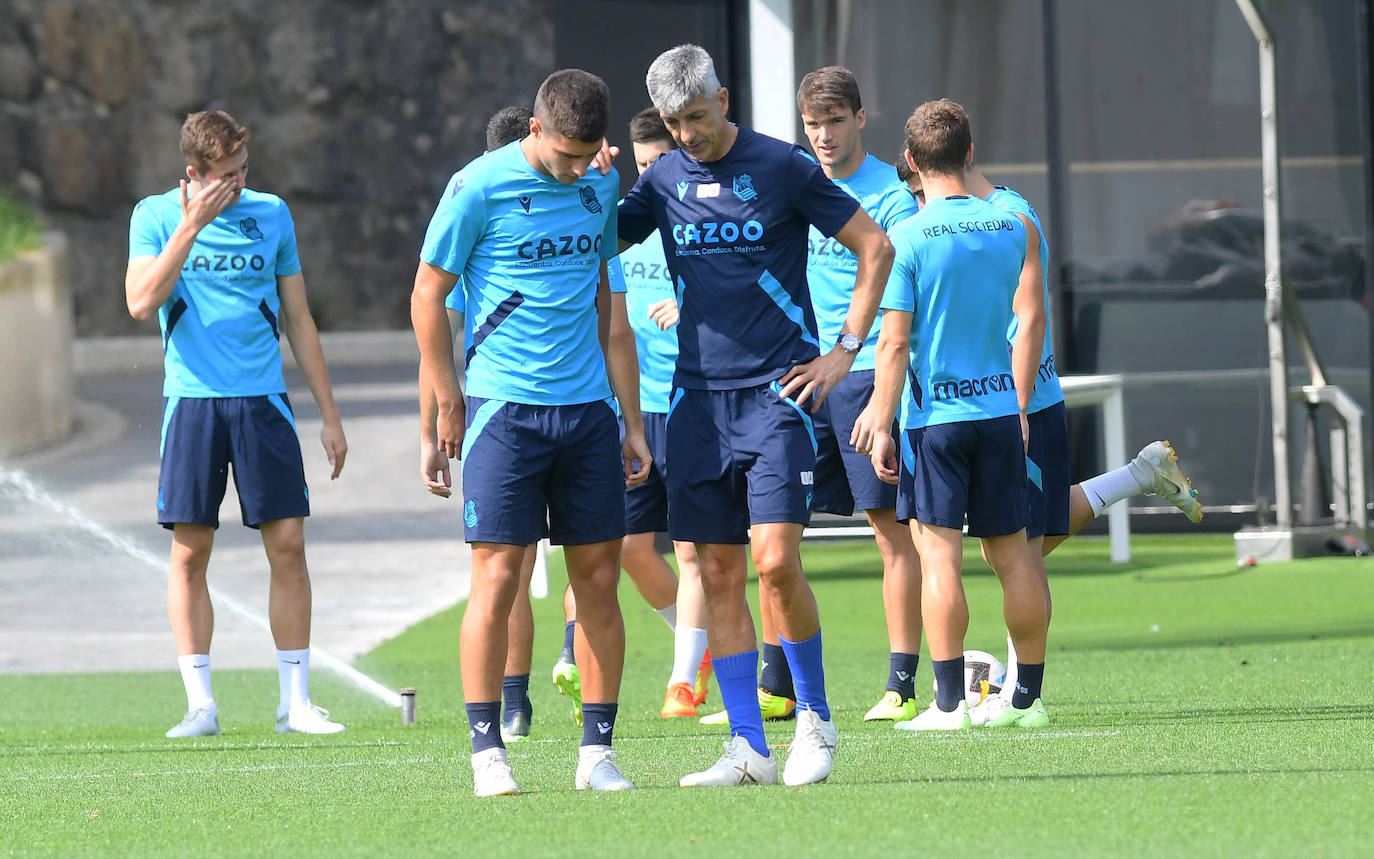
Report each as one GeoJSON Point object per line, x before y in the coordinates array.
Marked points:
{"type": "Point", "coordinates": [740, 457]}
{"type": "Point", "coordinates": [646, 505]}
{"type": "Point", "coordinates": [973, 468]}
{"type": "Point", "coordinates": [846, 401]}
{"type": "Point", "coordinates": [525, 466]}
{"type": "Point", "coordinates": [203, 436]}
{"type": "Point", "coordinates": [1047, 471]}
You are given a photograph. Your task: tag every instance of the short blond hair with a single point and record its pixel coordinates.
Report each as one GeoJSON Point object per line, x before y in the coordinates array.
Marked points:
{"type": "Point", "coordinates": [209, 136]}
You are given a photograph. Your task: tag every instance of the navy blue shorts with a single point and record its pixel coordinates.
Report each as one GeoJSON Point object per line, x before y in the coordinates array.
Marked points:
{"type": "Point", "coordinates": [535, 470]}
{"type": "Point", "coordinates": [973, 468]}
{"type": "Point", "coordinates": [831, 493]}
{"type": "Point", "coordinates": [203, 436]}
{"type": "Point", "coordinates": [740, 457]}
{"type": "Point", "coordinates": [1047, 472]}
{"type": "Point", "coordinates": [646, 505]}
{"type": "Point", "coordinates": [847, 399]}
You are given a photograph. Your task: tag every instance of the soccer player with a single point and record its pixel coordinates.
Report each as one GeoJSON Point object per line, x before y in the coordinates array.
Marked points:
{"type": "Point", "coordinates": [528, 230]}
{"type": "Point", "coordinates": [948, 304]}
{"type": "Point", "coordinates": [217, 262]}
{"type": "Point", "coordinates": [833, 118]}
{"type": "Point", "coordinates": [732, 208]}
{"type": "Point", "coordinates": [507, 125]}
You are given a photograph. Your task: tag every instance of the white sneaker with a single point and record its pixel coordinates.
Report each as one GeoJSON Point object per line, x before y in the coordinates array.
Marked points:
{"type": "Point", "coordinates": [306, 718]}
{"type": "Point", "coordinates": [200, 722]}
{"type": "Point", "coordinates": [491, 774]}
{"type": "Point", "coordinates": [597, 770]}
{"type": "Point", "coordinates": [935, 719]}
{"type": "Point", "coordinates": [989, 709]}
{"type": "Point", "coordinates": [739, 765]}
{"type": "Point", "coordinates": [812, 754]}
{"type": "Point", "coordinates": [1157, 466]}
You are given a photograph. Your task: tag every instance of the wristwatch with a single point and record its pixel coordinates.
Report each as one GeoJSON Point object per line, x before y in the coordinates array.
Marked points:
{"type": "Point", "coordinates": [850, 343]}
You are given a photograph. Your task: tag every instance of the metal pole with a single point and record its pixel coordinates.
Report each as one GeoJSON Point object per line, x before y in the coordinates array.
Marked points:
{"type": "Point", "coordinates": [1273, 268]}
{"type": "Point", "coordinates": [1364, 82]}
{"type": "Point", "coordinates": [1061, 307]}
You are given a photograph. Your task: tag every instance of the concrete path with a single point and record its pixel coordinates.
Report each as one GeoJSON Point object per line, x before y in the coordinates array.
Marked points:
{"type": "Point", "coordinates": [82, 586]}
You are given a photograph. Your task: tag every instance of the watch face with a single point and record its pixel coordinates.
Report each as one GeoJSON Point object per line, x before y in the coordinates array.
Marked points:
{"type": "Point", "coordinates": [850, 342]}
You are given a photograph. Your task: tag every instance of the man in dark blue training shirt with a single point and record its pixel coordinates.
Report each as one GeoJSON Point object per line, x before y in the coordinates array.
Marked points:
{"type": "Point", "coordinates": [733, 208]}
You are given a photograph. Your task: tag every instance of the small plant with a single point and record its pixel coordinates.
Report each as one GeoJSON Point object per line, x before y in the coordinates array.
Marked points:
{"type": "Point", "coordinates": [21, 229]}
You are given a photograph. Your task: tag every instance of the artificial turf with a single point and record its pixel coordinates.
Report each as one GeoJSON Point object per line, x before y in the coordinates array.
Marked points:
{"type": "Point", "coordinates": [1197, 708]}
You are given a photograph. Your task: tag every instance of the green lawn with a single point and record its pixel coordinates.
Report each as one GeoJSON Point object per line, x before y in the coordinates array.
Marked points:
{"type": "Point", "coordinates": [1197, 709]}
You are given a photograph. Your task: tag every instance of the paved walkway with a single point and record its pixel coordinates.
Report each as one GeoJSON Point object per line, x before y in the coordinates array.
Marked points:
{"type": "Point", "coordinates": [82, 586]}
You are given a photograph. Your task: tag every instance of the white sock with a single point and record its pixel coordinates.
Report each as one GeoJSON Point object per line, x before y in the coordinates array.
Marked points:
{"type": "Point", "coordinates": [293, 678]}
{"type": "Point", "coordinates": [1009, 684]}
{"type": "Point", "coordinates": [195, 676]}
{"type": "Point", "coordinates": [669, 615]}
{"type": "Point", "coordinates": [1104, 490]}
{"type": "Point", "coordinates": [689, 646]}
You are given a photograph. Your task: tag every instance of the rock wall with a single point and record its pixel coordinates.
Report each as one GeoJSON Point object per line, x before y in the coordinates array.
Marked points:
{"type": "Point", "coordinates": [359, 112]}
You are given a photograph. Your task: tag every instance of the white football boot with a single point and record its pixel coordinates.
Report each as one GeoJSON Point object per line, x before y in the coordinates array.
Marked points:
{"type": "Point", "coordinates": [935, 719]}
{"type": "Point", "coordinates": [597, 770]}
{"type": "Point", "coordinates": [305, 718]}
{"type": "Point", "coordinates": [491, 774]}
{"type": "Point", "coordinates": [813, 750]}
{"type": "Point", "coordinates": [739, 765]}
{"type": "Point", "coordinates": [200, 722]}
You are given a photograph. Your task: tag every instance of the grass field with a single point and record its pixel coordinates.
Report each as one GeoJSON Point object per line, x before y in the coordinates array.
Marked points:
{"type": "Point", "coordinates": [1198, 708]}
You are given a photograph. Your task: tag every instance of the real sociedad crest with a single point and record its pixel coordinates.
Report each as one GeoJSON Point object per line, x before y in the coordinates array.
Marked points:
{"type": "Point", "coordinates": [589, 199]}
{"type": "Point", "coordinates": [744, 187]}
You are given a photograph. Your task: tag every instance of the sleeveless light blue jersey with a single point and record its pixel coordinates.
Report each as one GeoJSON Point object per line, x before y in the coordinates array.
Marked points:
{"type": "Point", "coordinates": [958, 261]}
{"type": "Point", "coordinates": [528, 249]}
{"type": "Point", "coordinates": [646, 275]}
{"type": "Point", "coordinates": [831, 267]}
{"type": "Point", "coordinates": [220, 330]}
{"type": "Point", "coordinates": [734, 236]}
{"type": "Point", "coordinates": [1047, 391]}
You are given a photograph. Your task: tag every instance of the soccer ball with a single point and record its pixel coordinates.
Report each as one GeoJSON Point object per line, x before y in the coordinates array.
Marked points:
{"type": "Point", "coordinates": [984, 675]}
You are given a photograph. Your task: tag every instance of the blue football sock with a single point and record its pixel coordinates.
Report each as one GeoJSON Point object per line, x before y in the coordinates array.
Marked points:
{"type": "Point", "coordinates": [737, 679]}
{"type": "Point", "coordinates": [776, 676]}
{"type": "Point", "coordinates": [598, 723]}
{"type": "Point", "coordinates": [809, 674]}
{"type": "Point", "coordinates": [1028, 681]}
{"type": "Point", "coordinates": [949, 682]}
{"type": "Point", "coordinates": [515, 697]}
{"type": "Point", "coordinates": [566, 655]}
{"type": "Point", "coordinates": [482, 725]}
{"type": "Point", "coordinates": [901, 673]}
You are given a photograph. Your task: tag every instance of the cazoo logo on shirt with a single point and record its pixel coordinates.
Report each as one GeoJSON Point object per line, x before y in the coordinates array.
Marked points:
{"type": "Point", "coordinates": [224, 262]}
{"type": "Point", "coordinates": [559, 246]}
{"type": "Point", "coordinates": [716, 232]}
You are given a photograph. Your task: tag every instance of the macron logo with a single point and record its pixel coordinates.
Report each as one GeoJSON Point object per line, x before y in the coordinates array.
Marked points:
{"type": "Point", "coordinates": [603, 727]}
{"type": "Point", "coordinates": [482, 727]}
{"type": "Point", "coordinates": [681, 190]}
{"type": "Point", "coordinates": [903, 676]}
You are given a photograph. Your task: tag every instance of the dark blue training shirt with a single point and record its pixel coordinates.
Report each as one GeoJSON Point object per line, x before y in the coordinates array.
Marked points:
{"type": "Point", "coordinates": [734, 235]}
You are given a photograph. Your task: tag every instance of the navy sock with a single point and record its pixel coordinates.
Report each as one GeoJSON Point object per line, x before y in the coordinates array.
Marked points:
{"type": "Point", "coordinates": [598, 723]}
{"type": "Point", "coordinates": [949, 682]}
{"type": "Point", "coordinates": [566, 655]}
{"type": "Point", "coordinates": [482, 727]}
{"type": "Point", "coordinates": [776, 676]}
{"type": "Point", "coordinates": [515, 697]}
{"type": "Point", "coordinates": [737, 680]}
{"type": "Point", "coordinates": [901, 673]}
{"type": "Point", "coordinates": [1028, 680]}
